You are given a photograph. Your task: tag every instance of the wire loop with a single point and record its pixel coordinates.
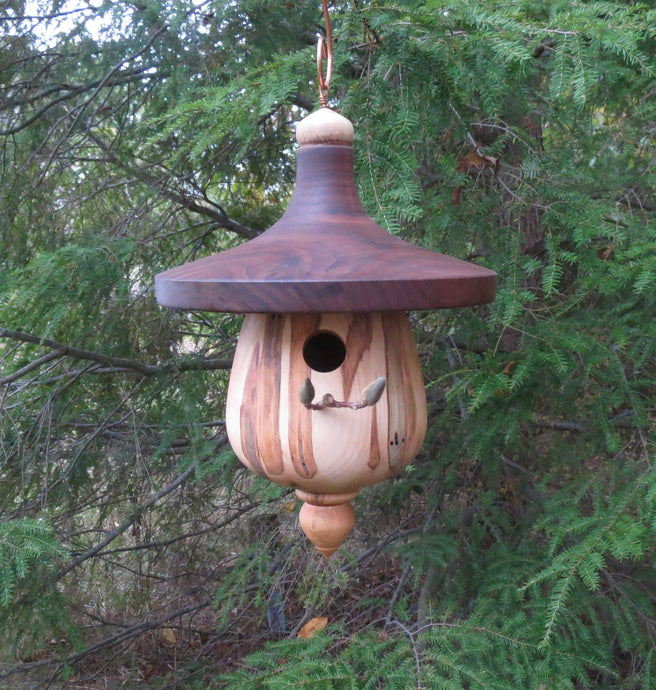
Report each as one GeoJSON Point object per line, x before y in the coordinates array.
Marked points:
{"type": "Point", "coordinates": [325, 52]}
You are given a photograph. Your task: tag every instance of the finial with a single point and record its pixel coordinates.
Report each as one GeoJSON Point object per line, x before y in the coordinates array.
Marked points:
{"type": "Point", "coordinates": [326, 519]}
{"type": "Point", "coordinates": [327, 526]}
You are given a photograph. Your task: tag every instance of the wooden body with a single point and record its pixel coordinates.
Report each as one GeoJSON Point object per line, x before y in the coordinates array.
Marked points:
{"type": "Point", "coordinates": [335, 450]}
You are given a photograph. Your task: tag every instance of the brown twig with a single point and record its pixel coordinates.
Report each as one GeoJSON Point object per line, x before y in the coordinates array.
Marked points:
{"type": "Point", "coordinates": [329, 401]}
{"type": "Point", "coordinates": [191, 202]}
{"type": "Point", "coordinates": [370, 396]}
{"type": "Point", "coordinates": [126, 634]}
{"type": "Point", "coordinates": [128, 522]}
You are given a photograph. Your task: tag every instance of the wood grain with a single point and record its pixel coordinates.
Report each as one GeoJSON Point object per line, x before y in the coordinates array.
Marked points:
{"type": "Point", "coordinates": [300, 424]}
{"type": "Point", "coordinates": [332, 450]}
{"type": "Point", "coordinates": [325, 255]}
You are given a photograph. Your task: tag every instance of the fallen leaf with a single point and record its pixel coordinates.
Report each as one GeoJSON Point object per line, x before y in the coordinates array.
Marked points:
{"type": "Point", "coordinates": [475, 159]}
{"type": "Point", "coordinates": [168, 635]}
{"type": "Point", "coordinates": [607, 252]}
{"type": "Point", "coordinates": [311, 628]}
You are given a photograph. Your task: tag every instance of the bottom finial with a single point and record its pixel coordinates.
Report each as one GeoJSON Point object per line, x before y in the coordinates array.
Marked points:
{"type": "Point", "coordinates": [327, 519]}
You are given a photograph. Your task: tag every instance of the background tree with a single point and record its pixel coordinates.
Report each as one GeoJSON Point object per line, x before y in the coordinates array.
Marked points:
{"type": "Point", "coordinates": [518, 548]}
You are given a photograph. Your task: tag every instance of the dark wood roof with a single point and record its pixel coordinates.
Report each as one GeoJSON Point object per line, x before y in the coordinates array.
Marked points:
{"type": "Point", "coordinates": [325, 255]}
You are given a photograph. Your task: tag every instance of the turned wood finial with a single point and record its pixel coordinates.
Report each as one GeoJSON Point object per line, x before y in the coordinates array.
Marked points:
{"type": "Point", "coordinates": [326, 519]}
{"type": "Point", "coordinates": [327, 526]}
{"type": "Point", "coordinates": [324, 126]}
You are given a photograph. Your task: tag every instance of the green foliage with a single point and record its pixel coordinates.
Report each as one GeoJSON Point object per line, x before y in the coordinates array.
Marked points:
{"type": "Point", "coordinates": [29, 555]}
{"type": "Point", "coordinates": [25, 546]}
{"type": "Point", "coordinates": [619, 528]}
{"type": "Point", "coordinates": [518, 549]}
{"type": "Point", "coordinates": [449, 655]}
{"type": "Point", "coordinates": [68, 289]}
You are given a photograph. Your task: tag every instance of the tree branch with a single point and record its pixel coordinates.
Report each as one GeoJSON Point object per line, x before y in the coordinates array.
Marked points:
{"type": "Point", "coordinates": [129, 521]}
{"type": "Point", "coordinates": [209, 209]}
{"type": "Point", "coordinates": [188, 535]}
{"type": "Point", "coordinates": [71, 91]}
{"type": "Point", "coordinates": [106, 79]}
{"type": "Point", "coordinates": [120, 363]}
{"type": "Point", "coordinates": [35, 364]}
{"type": "Point", "coordinates": [126, 634]}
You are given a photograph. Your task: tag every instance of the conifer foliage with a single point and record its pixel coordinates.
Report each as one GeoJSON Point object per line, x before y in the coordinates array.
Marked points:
{"type": "Point", "coordinates": [518, 549]}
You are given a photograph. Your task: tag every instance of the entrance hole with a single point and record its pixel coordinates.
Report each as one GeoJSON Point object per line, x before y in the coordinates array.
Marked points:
{"type": "Point", "coordinates": [324, 351]}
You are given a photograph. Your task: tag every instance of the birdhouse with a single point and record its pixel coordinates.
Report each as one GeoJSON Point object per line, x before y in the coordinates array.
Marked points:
{"type": "Point", "coordinates": [326, 393]}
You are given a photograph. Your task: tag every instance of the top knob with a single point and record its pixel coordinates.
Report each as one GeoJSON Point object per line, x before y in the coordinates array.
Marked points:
{"type": "Point", "coordinates": [324, 126]}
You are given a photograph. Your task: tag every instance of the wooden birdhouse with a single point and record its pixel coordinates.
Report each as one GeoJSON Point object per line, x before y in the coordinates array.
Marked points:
{"type": "Point", "coordinates": [326, 393]}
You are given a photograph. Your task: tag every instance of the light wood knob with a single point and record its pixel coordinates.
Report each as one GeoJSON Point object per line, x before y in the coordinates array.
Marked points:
{"type": "Point", "coordinates": [327, 526]}
{"type": "Point", "coordinates": [324, 126]}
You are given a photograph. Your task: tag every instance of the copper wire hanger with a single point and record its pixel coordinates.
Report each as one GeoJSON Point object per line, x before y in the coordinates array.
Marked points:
{"type": "Point", "coordinates": [325, 52]}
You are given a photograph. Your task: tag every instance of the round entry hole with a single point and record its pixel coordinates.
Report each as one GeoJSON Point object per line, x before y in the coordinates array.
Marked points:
{"type": "Point", "coordinates": [324, 351]}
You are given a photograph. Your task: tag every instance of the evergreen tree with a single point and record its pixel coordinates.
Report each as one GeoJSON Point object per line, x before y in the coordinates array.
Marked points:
{"type": "Point", "coordinates": [517, 550]}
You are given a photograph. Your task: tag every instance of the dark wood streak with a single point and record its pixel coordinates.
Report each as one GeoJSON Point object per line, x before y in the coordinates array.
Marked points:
{"type": "Point", "coordinates": [358, 341]}
{"type": "Point", "coordinates": [247, 419]}
{"type": "Point", "coordinates": [394, 356]}
{"type": "Point", "coordinates": [267, 412]}
{"type": "Point", "coordinates": [325, 255]}
{"type": "Point", "coordinates": [374, 447]}
{"type": "Point", "coordinates": [300, 419]}
{"type": "Point", "coordinates": [410, 409]}
{"type": "Point", "coordinates": [305, 470]}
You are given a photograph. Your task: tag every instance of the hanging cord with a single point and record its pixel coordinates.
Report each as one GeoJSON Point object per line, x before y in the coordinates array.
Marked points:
{"type": "Point", "coordinates": [325, 52]}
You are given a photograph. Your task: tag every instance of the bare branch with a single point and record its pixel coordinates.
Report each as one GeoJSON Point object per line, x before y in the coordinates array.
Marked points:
{"type": "Point", "coordinates": [35, 364]}
{"type": "Point", "coordinates": [126, 634]}
{"type": "Point", "coordinates": [209, 209]}
{"type": "Point", "coordinates": [188, 535]}
{"type": "Point", "coordinates": [120, 363]}
{"type": "Point", "coordinates": [103, 83]}
{"type": "Point", "coordinates": [70, 91]}
{"type": "Point", "coordinates": [129, 521]}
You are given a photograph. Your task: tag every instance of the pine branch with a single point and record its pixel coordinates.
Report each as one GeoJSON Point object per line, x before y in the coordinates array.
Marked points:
{"type": "Point", "coordinates": [623, 419]}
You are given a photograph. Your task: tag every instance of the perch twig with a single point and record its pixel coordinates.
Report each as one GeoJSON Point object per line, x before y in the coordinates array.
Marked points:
{"type": "Point", "coordinates": [370, 396]}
